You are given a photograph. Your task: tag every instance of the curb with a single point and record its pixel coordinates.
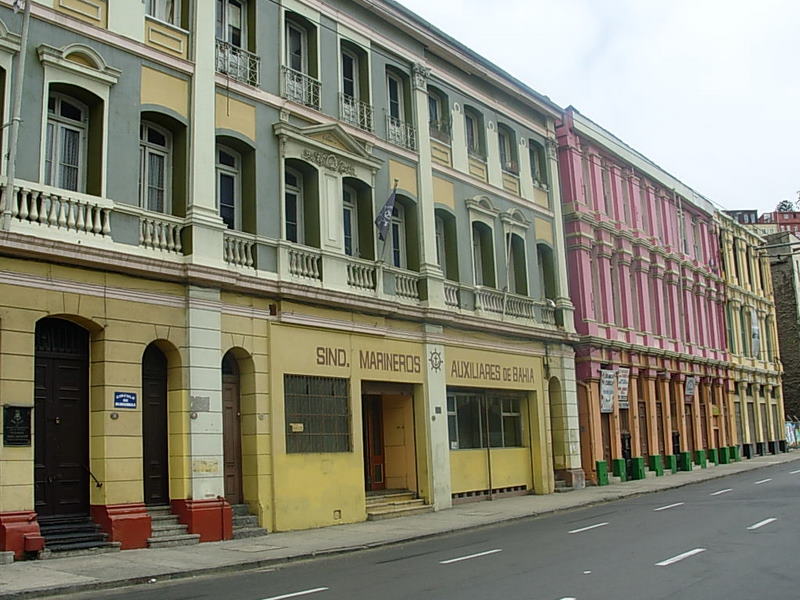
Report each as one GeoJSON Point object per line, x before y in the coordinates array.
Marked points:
{"type": "Point", "coordinates": [266, 562]}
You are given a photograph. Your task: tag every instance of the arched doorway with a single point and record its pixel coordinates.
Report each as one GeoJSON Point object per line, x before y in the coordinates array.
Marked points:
{"type": "Point", "coordinates": [231, 430]}
{"type": "Point", "coordinates": [554, 398]}
{"type": "Point", "coordinates": [61, 408]}
{"type": "Point", "coordinates": [155, 449]}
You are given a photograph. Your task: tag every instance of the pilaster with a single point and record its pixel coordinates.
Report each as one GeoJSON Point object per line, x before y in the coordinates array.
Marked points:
{"type": "Point", "coordinates": [435, 400]}
{"type": "Point", "coordinates": [563, 302]}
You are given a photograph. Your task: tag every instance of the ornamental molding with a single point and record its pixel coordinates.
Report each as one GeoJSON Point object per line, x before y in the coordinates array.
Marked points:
{"type": "Point", "coordinates": [420, 74]}
{"type": "Point", "coordinates": [329, 161]}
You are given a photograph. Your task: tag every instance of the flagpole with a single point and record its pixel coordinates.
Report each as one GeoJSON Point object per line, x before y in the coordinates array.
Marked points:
{"type": "Point", "coordinates": [16, 110]}
{"type": "Point", "coordinates": [385, 237]}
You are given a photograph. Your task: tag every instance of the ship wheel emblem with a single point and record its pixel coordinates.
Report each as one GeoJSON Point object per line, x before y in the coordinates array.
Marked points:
{"type": "Point", "coordinates": [435, 360]}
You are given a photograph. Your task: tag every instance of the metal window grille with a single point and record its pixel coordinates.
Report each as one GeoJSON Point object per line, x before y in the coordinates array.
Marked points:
{"type": "Point", "coordinates": [317, 414]}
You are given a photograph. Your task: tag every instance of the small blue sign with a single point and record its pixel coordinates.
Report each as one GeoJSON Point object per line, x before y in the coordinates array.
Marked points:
{"type": "Point", "coordinates": [124, 399]}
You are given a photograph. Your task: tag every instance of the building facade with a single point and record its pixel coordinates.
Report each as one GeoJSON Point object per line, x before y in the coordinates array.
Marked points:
{"type": "Point", "coordinates": [755, 368]}
{"type": "Point", "coordinates": [646, 281]}
{"type": "Point", "coordinates": [197, 310]}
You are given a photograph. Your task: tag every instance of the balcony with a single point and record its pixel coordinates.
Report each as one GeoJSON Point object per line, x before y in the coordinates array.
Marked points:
{"type": "Point", "coordinates": [237, 63]}
{"type": "Point", "coordinates": [356, 113]}
{"type": "Point", "coordinates": [401, 133]}
{"type": "Point", "coordinates": [299, 87]}
{"type": "Point", "coordinates": [440, 130]}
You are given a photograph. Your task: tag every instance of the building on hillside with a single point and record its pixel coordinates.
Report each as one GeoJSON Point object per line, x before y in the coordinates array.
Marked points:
{"type": "Point", "coordinates": [198, 314]}
{"type": "Point", "coordinates": [763, 225]}
{"type": "Point", "coordinates": [784, 260]}
{"type": "Point", "coordinates": [777, 221]}
{"type": "Point", "coordinates": [755, 367]}
{"type": "Point", "coordinates": [647, 286]}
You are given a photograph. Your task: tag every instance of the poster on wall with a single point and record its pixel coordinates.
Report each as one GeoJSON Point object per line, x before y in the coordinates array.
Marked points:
{"type": "Point", "coordinates": [623, 378]}
{"type": "Point", "coordinates": [691, 383]}
{"type": "Point", "coordinates": [607, 380]}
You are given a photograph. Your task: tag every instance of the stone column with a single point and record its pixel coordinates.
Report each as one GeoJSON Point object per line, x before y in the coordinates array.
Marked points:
{"type": "Point", "coordinates": [563, 303]}
{"type": "Point", "coordinates": [565, 425]}
{"type": "Point", "coordinates": [435, 416]}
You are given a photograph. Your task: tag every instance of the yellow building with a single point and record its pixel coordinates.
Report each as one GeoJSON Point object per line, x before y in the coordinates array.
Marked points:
{"type": "Point", "coordinates": [755, 369]}
{"type": "Point", "coordinates": [209, 310]}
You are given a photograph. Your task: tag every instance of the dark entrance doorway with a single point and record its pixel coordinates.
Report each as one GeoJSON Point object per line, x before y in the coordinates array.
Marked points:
{"type": "Point", "coordinates": [154, 427]}
{"type": "Point", "coordinates": [61, 419]}
{"type": "Point", "coordinates": [643, 440]}
{"type": "Point", "coordinates": [374, 460]}
{"type": "Point", "coordinates": [231, 430]}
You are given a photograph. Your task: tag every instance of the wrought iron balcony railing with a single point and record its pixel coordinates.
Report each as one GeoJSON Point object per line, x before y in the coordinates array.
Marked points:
{"type": "Point", "coordinates": [237, 63]}
{"type": "Point", "coordinates": [401, 133]}
{"type": "Point", "coordinates": [356, 113]}
{"type": "Point", "coordinates": [299, 87]}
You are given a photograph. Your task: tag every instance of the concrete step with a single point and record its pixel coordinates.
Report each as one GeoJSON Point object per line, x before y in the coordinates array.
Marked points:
{"type": "Point", "coordinates": [395, 504]}
{"type": "Point", "coordinates": [248, 532]}
{"type": "Point", "coordinates": [390, 497]}
{"type": "Point", "coordinates": [245, 521]}
{"type": "Point", "coordinates": [78, 549]}
{"type": "Point", "coordinates": [399, 512]}
{"type": "Point", "coordinates": [168, 529]}
{"type": "Point", "coordinates": [240, 510]}
{"type": "Point", "coordinates": [171, 541]}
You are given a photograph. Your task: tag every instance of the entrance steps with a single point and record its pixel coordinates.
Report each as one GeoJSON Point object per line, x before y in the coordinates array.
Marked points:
{"type": "Point", "coordinates": [245, 525]}
{"type": "Point", "coordinates": [167, 532]}
{"type": "Point", "coordinates": [73, 536]}
{"type": "Point", "coordinates": [391, 504]}
{"type": "Point", "coordinates": [562, 487]}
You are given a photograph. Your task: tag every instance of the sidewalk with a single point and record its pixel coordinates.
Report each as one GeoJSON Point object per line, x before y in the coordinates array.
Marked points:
{"type": "Point", "coordinates": [105, 571]}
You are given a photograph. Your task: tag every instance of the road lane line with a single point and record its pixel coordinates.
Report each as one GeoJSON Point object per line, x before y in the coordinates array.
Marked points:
{"type": "Point", "coordinates": [717, 493]}
{"type": "Point", "coordinates": [794, 472]}
{"type": "Point", "coordinates": [295, 594]}
{"type": "Point", "coordinates": [762, 481]}
{"type": "Point", "coordinates": [668, 506]}
{"type": "Point", "coordinates": [469, 556]}
{"type": "Point", "coordinates": [674, 559]}
{"type": "Point", "coordinates": [589, 527]}
{"type": "Point", "coordinates": [762, 523]}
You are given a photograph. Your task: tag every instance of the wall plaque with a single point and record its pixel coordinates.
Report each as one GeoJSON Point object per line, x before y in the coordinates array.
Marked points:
{"type": "Point", "coordinates": [17, 425]}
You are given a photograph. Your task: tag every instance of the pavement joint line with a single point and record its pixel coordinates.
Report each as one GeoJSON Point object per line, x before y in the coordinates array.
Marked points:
{"type": "Point", "coordinates": [668, 506]}
{"type": "Point", "coordinates": [759, 482]}
{"type": "Point", "coordinates": [718, 492]}
{"type": "Point", "coordinates": [186, 573]}
{"type": "Point", "coordinates": [762, 523]}
{"type": "Point", "coordinates": [679, 557]}
{"type": "Point", "coordinates": [469, 556]}
{"type": "Point", "coordinates": [296, 594]}
{"type": "Point", "coordinates": [595, 526]}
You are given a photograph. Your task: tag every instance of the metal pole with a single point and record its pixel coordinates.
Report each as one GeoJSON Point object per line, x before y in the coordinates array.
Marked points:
{"type": "Point", "coordinates": [8, 192]}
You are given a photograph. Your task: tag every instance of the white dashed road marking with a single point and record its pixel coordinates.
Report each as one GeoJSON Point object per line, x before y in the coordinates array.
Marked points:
{"type": "Point", "coordinates": [295, 594]}
{"type": "Point", "coordinates": [794, 472]}
{"type": "Point", "coordinates": [717, 493]}
{"type": "Point", "coordinates": [668, 506]}
{"type": "Point", "coordinates": [762, 523]}
{"type": "Point", "coordinates": [759, 482]}
{"type": "Point", "coordinates": [460, 558]}
{"type": "Point", "coordinates": [674, 559]}
{"type": "Point", "coordinates": [589, 527]}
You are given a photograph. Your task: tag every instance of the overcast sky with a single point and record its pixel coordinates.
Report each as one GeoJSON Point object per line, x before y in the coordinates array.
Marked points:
{"type": "Point", "coordinates": [707, 89]}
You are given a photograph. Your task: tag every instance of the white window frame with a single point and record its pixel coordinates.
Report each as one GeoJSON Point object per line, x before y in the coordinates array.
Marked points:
{"type": "Point", "coordinates": [224, 22]}
{"type": "Point", "coordinates": [346, 53]}
{"type": "Point", "coordinates": [157, 9]}
{"type": "Point", "coordinates": [350, 205]}
{"type": "Point", "coordinates": [391, 77]}
{"type": "Point", "coordinates": [441, 249]}
{"type": "Point", "coordinates": [506, 148]}
{"type": "Point", "coordinates": [292, 26]}
{"type": "Point", "coordinates": [299, 192]}
{"type": "Point", "coordinates": [397, 237]}
{"type": "Point", "coordinates": [54, 126]}
{"type": "Point", "coordinates": [236, 173]}
{"type": "Point", "coordinates": [477, 255]}
{"type": "Point", "coordinates": [146, 148]}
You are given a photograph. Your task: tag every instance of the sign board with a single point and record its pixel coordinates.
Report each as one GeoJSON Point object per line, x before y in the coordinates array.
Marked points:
{"type": "Point", "coordinates": [691, 383]}
{"type": "Point", "coordinates": [607, 380]}
{"type": "Point", "coordinates": [623, 379]}
{"type": "Point", "coordinates": [124, 399]}
{"type": "Point", "coordinates": [17, 425]}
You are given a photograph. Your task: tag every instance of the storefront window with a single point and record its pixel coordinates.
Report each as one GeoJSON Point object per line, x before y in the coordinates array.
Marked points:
{"type": "Point", "coordinates": [477, 419]}
{"type": "Point", "coordinates": [317, 414]}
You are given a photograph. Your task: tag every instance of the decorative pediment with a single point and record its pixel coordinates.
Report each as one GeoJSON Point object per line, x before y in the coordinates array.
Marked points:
{"type": "Point", "coordinates": [327, 146]}
{"type": "Point", "coordinates": [80, 60]}
{"type": "Point", "coordinates": [9, 40]}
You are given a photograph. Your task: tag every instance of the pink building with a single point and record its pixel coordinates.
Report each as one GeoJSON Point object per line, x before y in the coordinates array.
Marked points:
{"type": "Point", "coordinates": [645, 279]}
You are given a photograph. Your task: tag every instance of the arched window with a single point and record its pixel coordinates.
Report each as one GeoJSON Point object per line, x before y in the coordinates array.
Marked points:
{"type": "Point", "coordinates": [65, 153]}
{"type": "Point", "coordinates": [473, 123]}
{"type": "Point", "coordinates": [155, 167]}
{"type": "Point", "coordinates": [350, 220]}
{"type": "Point", "coordinates": [508, 149]}
{"type": "Point", "coordinates": [293, 206]}
{"type": "Point", "coordinates": [229, 186]}
{"type": "Point", "coordinates": [397, 235]}
{"type": "Point", "coordinates": [538, 164]}
{"type": "Point", "coordinates": [483, 254]}
{"type": "Point", "coordinates": [547, 276]}
{"type": "Point", "coordinates": [438, 111]}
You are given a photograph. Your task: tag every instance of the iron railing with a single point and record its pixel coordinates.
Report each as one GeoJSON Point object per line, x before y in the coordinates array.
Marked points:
{"type": "Point", "coordinates": [237, 63]}
{"type": "Point", "coordinates": [299, 87]}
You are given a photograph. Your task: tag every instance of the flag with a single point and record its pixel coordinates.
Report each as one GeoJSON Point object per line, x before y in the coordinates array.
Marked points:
{"type": "Point", "coordinates": [18, 5]}
{"type": "Point", "coordinates": [384, 218]}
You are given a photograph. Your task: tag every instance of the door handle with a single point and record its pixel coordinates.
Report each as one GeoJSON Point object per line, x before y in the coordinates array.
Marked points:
{"type": "Point", "coordinates": [58, 420]}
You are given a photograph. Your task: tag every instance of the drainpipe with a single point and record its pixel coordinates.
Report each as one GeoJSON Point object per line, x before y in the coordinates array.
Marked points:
{"type": "Point", "coordinates": [16, 110]}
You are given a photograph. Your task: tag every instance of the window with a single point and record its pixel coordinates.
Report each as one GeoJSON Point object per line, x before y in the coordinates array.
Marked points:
{"type": "Point", "coordinates": [350, 221]}
{"type": "Point", "coordinates": [164, 10]}
{"type": "Point", "coordinates": [517, 268]}
{"type": "Point", "coordinates": [474, 125]}
{"type": "Point", "coordinates": [478, 420]}
{"type": "Point", "coordinates": [229, 187]}
{"type": "Point", "coordinates": [440, 247]}
{"type": "Point", "coordinates": [294, 206]}
{"type": "Point", "coordinates": [317, 414]}
{"type": "Point", "coordinates": [155, 167]}
{"type": "Point", "coordinates": [508, 156]}
{"type": "Point", "coordinates": [397, 235]}
{"type": "Point", "coordinates": [65, 152]}
{"type": "Point", "coordinates": [296, 48]}
{"type": "Point", "coordinates": [350, 74]}
{"type": "Point", "coordinates": [482, 254]}
{"type": "Point", "coordinates": [539, 169]}
{"type": "Point", "coordinates": [231, 22]}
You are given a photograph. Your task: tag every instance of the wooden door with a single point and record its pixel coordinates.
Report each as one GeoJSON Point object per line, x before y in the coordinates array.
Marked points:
{"type": "Point", "coordinates": [155, 449]}
{"type": "Point", "coordinates": [688, 411]}
{"type": "Point", "coordinates": [61, 421]}
{"type": "Point", "coordinates": [643, 441]}
{"type": "Point", "coordinates": [660, 428]}
{"type": "Point", "coordinates": [374, 462]}
{"type": "Point", "coordinates": [605, 427]}
{"type": "Point", "coordinates": [231, 431]}
{"type": "Point", "coordinates": [704, 426]}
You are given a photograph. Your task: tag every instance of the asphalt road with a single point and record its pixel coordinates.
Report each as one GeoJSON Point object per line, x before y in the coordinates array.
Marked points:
{"type": "Point", "coordinates": [736, 537]}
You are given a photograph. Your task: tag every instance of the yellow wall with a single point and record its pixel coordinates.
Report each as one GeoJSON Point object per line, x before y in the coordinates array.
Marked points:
{"type": "Point", "coordinates": [236, 115]}
{"type": "Point", "coordinates": [406, 176]}
{"type": "Point", "coordinates": [469, 469]}
{"type": "Point", "coordinates": [166, 90]}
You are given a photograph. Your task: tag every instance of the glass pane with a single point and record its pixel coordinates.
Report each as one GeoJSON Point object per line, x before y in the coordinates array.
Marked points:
{"type": "Point", "coordinates": [396, 253]}
{"type": "Point", "coordinates": [452, 431]}
{"type": "Point", "coordinates": [70, 156]}
{"type": "Point", "coordinates": [348, 230]}
{"type": "Point", "coordinates": [495, 424]}
{"type": "Point", "coordinates": [512, 432]}
{"type": "Point", "coordinates": [291, 179]}
{"type": "Point", "coordinates": [155, 182]}
{"type": "Point", "coordinates": [227, 159]}
{"type": "Point", "coordinates": [220, 19]}
{"type": "Point", "coordinates": [156, 137]}
{"type": "Point", "coordinates": [433, 109]}
{"type": "Point", "coordinates": [295, 49]}
{"type": "Point", "coordinates": [469, 425]}
{"type": "Point", "coordinates": [227, 199]}
{"type": "Point", "coordinates": [48, 159]}
{"type": "Point", "coordinates": [71, 111]}
{"type": "Point", "coordinates": [291, 217]}
{"type": "Point", "coordinates": [348, 75]}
